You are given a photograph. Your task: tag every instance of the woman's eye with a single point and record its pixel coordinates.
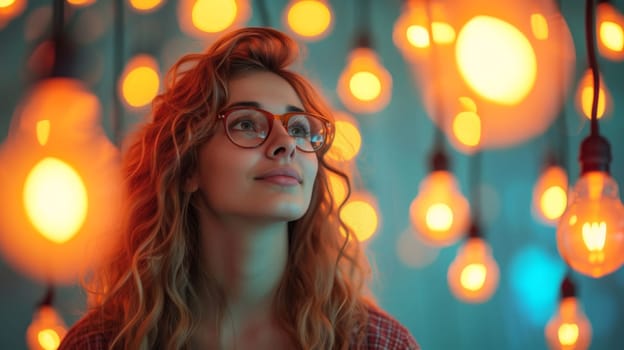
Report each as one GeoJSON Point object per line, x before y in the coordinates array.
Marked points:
{"type": "Point", "coordinates": [299, 131]}
{"type": "Point", "coordinates": [243, 125]}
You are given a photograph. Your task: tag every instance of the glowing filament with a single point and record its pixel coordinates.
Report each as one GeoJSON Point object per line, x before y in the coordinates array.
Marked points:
{"type": "Point", "coordinates": [48, 339]}
{"type": "Point", "coordinates": [55, 199]}
{"type": "Point", "coordinates": [594, 235]}
{"type": "Point", "coordinates": [439, 217]}
{"type": "Point", "coordinates": [365, 86]}
{"type": "Point", "coordinates": [473, 276]}
{"type": "Point", "coordinates": [568, 334]}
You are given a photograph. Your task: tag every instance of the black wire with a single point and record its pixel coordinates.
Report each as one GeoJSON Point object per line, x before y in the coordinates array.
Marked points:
{"type": "Point", "coordinates": [438, 112]}
{"type": "Point", "coordinates": [593, 62]}
{"type": "Point", "coordinates": [475, 191]}
{"type": "Point", "coordinates": [116, 116]}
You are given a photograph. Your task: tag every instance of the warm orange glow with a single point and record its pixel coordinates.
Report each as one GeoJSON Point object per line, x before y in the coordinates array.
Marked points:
{"type": "Point", "coordinates": [55, 199]}
{"type": "Point", "coordinates": [208, 18]}
{"type": "Point", "coordinates": [467, 128]}
{"type": "Point", "coordinates": [145, 5]}
{"type": "Point", "coordinates": [11, 8]}
{"type": "Point", "coordinates": [569, 328]}
{"type": "Point", "coordinates": [585, 96]}
{"type": "Point", "coordinates": [309, 19]}
{"type": "Point", "coordinates": [550, 197]}
{"type": "Point", "coordinates": [80, 3]}
{"type": "Point", "coordinates": [411, 30]}
{"type": "Point", "coordinates": [515, 78]}
{"type": "Point", "coordinates": [440, 212]}
{"type": "Point", "coordinates": [417, 36]}
{"type": "Point", "coordinates": [364, 86]}
{"type": "Point", "coordinates": [43, 131]}
{"type": "Point", "coordinates": [496, 60]}
{"type": "Point", "coordinates": [140, 81]}
{"type": "Point", "coordinates": [361, 215]}
{"type": "Point", "coordinates": [443, 33]}
{"type": "Point", "coordinates": [338, 188]}
{"type": "Point", "coordinates": [610, 31]}
{"type": "Point", "coordinates": [473, 275]}
{"type": "Point", "coordinates": [590, 235]}
{"type": "Point", "coordinates": [348, 139]}
{"type": "Point", "coordinates": [410, 33]}
{"type": "Point", "coordinates": [539, 26]}
{"type": "Point", "coordinates": [46, 330]}
{"type": "Point", "coordinates": [48, 236]}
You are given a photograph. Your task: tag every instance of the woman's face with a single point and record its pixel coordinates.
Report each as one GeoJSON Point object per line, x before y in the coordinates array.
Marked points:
{"type": "Point", "coordinates": [272, 182]}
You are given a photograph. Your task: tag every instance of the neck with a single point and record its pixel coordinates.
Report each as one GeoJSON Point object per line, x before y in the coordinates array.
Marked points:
{"type": "Point", "coordinates": [247, 260]}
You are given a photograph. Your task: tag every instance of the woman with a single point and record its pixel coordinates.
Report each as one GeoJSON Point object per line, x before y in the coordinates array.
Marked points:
{"type": "Point", "coordinates": [232, 239]}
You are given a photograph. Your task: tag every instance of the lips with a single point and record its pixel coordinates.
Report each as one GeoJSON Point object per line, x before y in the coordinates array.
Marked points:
{"type": "Point", "coordinates": [281, 175]}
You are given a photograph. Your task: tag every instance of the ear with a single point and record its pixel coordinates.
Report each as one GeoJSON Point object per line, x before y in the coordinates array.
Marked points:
{"type": "Point", "coordinates": [192, 183]}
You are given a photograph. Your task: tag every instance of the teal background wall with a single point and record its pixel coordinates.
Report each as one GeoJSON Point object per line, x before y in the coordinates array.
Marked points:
{"type": "Point", "coordinates": [392, 162]}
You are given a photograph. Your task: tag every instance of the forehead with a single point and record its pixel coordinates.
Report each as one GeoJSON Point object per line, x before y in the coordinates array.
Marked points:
{"type": "Point", "coordinates": [266, 88]}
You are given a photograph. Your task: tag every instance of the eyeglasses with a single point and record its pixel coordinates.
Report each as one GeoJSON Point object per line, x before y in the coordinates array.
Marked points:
{"type": "Point", "coordinates": [249, 127]}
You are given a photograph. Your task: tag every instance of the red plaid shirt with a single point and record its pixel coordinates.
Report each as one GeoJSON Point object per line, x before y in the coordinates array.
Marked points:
{"type": "Point", "coordinates": [382, 333]}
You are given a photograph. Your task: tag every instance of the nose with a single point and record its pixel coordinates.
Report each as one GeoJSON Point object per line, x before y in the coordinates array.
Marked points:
{"type": "Point", "coordinates": [280, 144]}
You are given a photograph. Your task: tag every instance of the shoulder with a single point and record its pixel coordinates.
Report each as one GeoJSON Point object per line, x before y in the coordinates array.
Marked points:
{"type": "Point", "coordinates": [385, 332]}
{"type": "Point", "coordinates": [89, 333]}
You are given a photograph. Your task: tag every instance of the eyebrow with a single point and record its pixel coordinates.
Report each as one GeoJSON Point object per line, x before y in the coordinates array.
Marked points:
{"type": "Point", "coordinates": [289, 108]}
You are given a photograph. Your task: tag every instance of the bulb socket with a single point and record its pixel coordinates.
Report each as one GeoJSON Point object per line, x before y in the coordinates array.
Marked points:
{"type": "Point", "coordinates": [568, 289]}
{"type": "Point", "coordinates": [438, 161]}
{"type": "Point", "coordinates": [595, 154]}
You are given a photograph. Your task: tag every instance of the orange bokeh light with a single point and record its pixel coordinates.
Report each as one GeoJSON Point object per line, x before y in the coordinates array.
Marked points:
{"type": "Point", "coordinates": [361, 214]}
{"type": "Point", "coordinates": [495, 60]}
{"type": "Point", "coordinates": [140, 81]}
{"type": "Point", "coordinates": [207, 19]}
{"type": "Point", "coordinates": [473, 275]}
{"type": "Point", "coordinates": [440, 213]}
{"type": "Point", "coordinates": [550, 198]}
{"type": "Point", "coordinates": [585, 96]}
{"type": "Point", "coordinates": [364, 86]}
{"type": "Point", "coordinates": [569, 328]}
{"type": "Point", "coordinates": [56, 138]}
{"type": "Point", "coordinates": [47, 329]}
{"type": "Point", "coordinates": [309, 19]}
{"type": "Point", "coordinates": [610, 31]}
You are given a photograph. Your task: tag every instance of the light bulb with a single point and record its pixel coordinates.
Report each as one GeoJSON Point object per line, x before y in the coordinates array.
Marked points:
{"type": "Point", "coordinates": [309, 19]}
{"type": "Point", "coordinates": [550, 196]}
{"type": "Point", "coordinates": [568, 328]}
{"type": "Point", "coordinates": [590, 235]}
{"type": "Point", "coordinates": [473, 275]}
{"type": "Point", "coordinates": [440, 212]}
{"type": "Point", "coordinates": [364, 86]}
{"type": "Point", "coordinates": [46, 330]}
{"type": "Point", "coordinates": [610, 31]}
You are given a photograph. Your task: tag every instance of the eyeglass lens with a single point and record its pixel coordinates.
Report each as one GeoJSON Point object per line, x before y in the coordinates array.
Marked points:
{"type": "Point", "coordinates": [250, 127]}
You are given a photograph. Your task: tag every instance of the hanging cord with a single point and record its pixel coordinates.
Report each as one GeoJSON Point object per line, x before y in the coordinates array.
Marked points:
{"type": "Point", "coordinates": [48, 297]}
{"type": "Point", "coordinates": [116, 116]}
{"type": "Point", "coordinates": [439, 158]}
{"type": "Point", "coordinates": [593, 62]}
{"type": "Point", "coordinates": [561, 155]}
{"type": "Point", "coordinates": [265, 19]}
{"type": "Point", "coordinates": [363, 22]}
{"type": "Point", "coordinates": [595, 152]}
{"type": "Point", "coordinates": [475, 195]}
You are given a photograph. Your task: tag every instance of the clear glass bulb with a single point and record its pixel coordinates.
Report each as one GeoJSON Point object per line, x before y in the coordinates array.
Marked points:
{"type": "Point", "coordinates": [569, 328]}
{"type": "Point", "coordinates": [590, 235]}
